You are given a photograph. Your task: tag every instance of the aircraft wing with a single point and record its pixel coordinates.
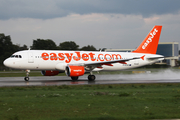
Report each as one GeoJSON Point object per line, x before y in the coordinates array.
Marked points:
{"type": "Point", "coordinates": [93, 65]}
{"type": "Point", "coordinates": [109, 63]}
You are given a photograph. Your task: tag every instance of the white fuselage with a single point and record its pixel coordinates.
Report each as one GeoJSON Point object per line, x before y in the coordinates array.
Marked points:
{"type": "Point", "coordinates": [58, 60]}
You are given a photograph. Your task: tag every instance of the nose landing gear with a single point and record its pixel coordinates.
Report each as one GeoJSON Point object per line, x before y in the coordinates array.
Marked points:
{"type": "Point", "coordinates": [27, 75]}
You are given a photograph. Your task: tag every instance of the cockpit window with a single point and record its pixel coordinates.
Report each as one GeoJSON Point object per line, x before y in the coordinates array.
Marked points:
{"type": "Point", "coordinates": [12, 56]}
{"type": "Point", "coordinates": [16, 56]}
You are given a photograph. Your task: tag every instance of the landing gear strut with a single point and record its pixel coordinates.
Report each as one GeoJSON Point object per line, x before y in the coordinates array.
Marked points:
{"type": "Point", "coordinates": [27, 75]}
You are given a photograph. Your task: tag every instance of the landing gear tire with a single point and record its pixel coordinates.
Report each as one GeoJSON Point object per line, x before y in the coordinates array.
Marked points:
{"type": "Point", "coordinates": [26, 78]}
{"type": "Point", "coordinates": [91, 77]}
{"type": "Point", "coordinates": [74, 78]}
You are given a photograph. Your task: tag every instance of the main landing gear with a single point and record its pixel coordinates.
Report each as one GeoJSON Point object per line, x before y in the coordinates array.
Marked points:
{"type": "Point", "coordinates": [27, 75]}
{"type": "Point", "coordinates": [91, 77]}
{"type": "Point", "coordinates": [74, 78]}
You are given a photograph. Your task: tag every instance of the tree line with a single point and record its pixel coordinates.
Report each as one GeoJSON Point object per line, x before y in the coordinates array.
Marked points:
{"type": "Point", "coordinates": [7, 48]}
{"type": "Point", "coordinates": [41, 44]}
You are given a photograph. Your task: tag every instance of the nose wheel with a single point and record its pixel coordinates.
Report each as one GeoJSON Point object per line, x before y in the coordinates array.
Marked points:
{"type": "Point", "coordinates": [26, 78]}
{"type": "Point", "coordinates": [27, 75]}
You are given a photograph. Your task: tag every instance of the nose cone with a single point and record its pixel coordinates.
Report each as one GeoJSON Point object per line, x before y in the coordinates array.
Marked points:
{"type": "Point", "coordinates": [7, 63]}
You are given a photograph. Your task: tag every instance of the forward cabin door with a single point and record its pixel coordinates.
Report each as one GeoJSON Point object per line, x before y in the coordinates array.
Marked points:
{"type": "Point", "coordinates": [30, 57]}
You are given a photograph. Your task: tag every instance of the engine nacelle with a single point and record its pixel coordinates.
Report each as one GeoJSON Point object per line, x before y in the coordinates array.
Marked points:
{"type": "Point", "coordinates": [49, 72]}
{"type": "Point", "coordinates": [74, 71]}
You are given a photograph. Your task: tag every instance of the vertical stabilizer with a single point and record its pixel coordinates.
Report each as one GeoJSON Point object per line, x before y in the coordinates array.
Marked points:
{"type": "Point", "coordinates": [150, 43]}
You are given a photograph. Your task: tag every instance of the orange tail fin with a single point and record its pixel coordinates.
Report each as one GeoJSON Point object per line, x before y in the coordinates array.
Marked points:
{"type": "Point", "coordinates": [150, 43]}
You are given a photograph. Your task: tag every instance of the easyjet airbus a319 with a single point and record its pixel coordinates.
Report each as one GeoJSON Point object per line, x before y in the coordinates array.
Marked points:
{"type": "Point", "coordinates": [78, 63]}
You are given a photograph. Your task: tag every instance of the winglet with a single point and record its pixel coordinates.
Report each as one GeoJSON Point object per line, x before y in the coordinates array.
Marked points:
{"type": "Point", "coordinates": [150, 43]}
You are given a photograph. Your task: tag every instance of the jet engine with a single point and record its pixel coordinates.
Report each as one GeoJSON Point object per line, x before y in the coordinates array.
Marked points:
{"type": "Point", "coordinates": [75, 71]}
{"type": "Point", "coordinates": [49, 72]}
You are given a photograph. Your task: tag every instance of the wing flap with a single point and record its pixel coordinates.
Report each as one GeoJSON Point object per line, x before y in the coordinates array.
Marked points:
{"type": "Point", "coordinates": [98, 64]}
{"type": "Point", "coordinates": [109, 63]}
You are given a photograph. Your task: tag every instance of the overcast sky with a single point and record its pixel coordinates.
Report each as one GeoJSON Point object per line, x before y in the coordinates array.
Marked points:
{"type": "Point", "coordinates": [102, 23]}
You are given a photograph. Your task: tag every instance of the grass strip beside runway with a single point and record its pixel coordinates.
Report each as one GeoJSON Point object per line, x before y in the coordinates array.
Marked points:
{"type": "Point", "coordinates": [86, 102]}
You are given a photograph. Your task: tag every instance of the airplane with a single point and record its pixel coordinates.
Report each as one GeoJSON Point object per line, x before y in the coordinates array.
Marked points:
{"type": "Point", "coordinates": [78, 63]}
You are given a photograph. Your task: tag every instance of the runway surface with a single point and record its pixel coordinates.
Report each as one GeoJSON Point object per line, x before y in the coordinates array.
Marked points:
{"type": "Point", "coordinates": [167, 76]}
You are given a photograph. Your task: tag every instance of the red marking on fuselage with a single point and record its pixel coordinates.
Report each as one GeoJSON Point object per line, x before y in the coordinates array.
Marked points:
{"type": "Point", "coordinates": [122, 62]}
{"type": "Point", "coordinates": [77, 56]}
{"type": "Point", "coordinates": [143, 57]}
{"type": "Point", "coordinates": [106, 64]}
{"type": "Point", "coordinates": [100, 67]}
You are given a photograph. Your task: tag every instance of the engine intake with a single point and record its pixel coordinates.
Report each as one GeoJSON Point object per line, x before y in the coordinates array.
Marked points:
{"type": "Point", "coordinates": [74, 71]}
{"type": "Point", "coordinates": [49, 72]}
